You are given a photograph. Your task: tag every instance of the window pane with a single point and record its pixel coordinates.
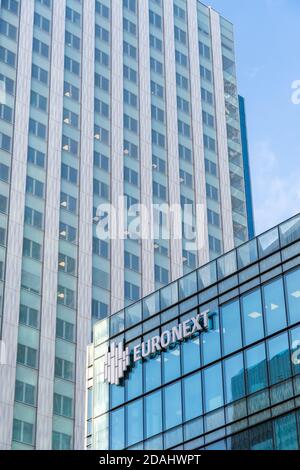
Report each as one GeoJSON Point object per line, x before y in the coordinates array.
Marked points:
{"type": "Point", "coordinates": [293, 295]}
{"type": "Point", "coordinates": [256, 368]}
{"type": "Point", "coordinates": [134, 381]}
{"type": "Point", "coordinates": [153, 414]}
{"type": "Point", "coordinates": [211, 339]}
{"type": "Point", "coordinates": [213, 387]}
{"type": "Point", "coordinates": [231, 327]}
{"type": "Point", "coordinates": [134, 422]}
{"type": "Point", "coordinates": [234, 378]}
{"type": "Point", "coordinates": [152, 371]}
{"type": "Point", "coordinates": [286, 433]}
{"type": "Point", "coordinates": [192, 396]}
{"type": "Point", "coordinates": [117, 430]}
{"type": "Point", "coordinates": [191, 355]}
{"type": "Point", "coordinates": [279, 358]}
{"type": "Point", "coordinates": [274, 306]}
{"type": "Point", "coordinates": [171, 364]}
{"type": "Point", "coordinates": [252, 316]}
{"type": "Point", "coordinates": [173, 406]}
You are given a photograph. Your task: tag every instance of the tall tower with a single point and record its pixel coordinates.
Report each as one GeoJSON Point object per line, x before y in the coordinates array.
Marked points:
{"type": "Point", "coordinates": [102, 99]}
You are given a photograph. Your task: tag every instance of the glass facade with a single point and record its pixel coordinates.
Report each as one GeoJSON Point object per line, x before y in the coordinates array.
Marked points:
{"type": "Point", "coordinates": [102, 99]}
{"type": "Point", "coordinates": [236, 385]}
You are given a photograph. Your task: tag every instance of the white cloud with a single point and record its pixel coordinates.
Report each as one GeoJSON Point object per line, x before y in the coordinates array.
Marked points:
{"type": "Point", "coordinates": [276, 195]}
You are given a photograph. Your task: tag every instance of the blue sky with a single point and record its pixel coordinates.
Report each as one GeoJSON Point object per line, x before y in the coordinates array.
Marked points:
{"type": "Point", "coordinates": [267, 36]}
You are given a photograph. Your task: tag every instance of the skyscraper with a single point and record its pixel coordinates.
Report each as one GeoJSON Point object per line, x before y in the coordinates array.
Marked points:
{"type": "Point", "coordinates": [100, 100]}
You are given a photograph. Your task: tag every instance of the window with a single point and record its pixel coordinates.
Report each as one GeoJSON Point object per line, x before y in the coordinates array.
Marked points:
{"type": "Point", "coordinates": [102, 33]}
{"type": "Point", "coordinates": [134, 415]}
{"type": "Point", "coordinates": [173, 405]}
{"type": "Point", "coordinates": [100, 248]}
{"type": "Point", "coordinates": [67, 232]}
{"type": "Point", "coordinates": [101, 82]}
{"type": "Point", "coordinates": [231, 327]}
{"type": "Point", "coordinates": [129, 50]}
{"type": "Point", "coordinates": [5, 142]}
{"type": "Point", "coordinates": [131, 149]}
{"type": "Point", "coordinates": [157, 89]}
{"type": "Point", "coordinates": [256, 368]}
{"type": "Point", "coordinates": [179, 12]}
{"type": "Point", "coordinates": [132, 292]}
{"type": "Point", "coordinates": [69, 173]}
{"type": "Point", "coordinates": [204, 50]}
{"type": "Point", "coordinates": [22, 432]}
{"type": "Point", "coordinates": [39, 74]}
{"type": "Point", "coordinates": [40, 48]}
{"type": "Point", "coordinates": [70, 145]}
{"type": "Point", "coordinates": [62, 405]}
{"type": "Point", "coordinates": [10, 5]}
{"type": "Point", "coordinates": [183, 105]}
{"type": "Point", "coordinates": [180, 35]}
{"type": "Point", "coordinates": [159, 191]}
{"type": "Point", "coordinates": [189, 259]}
{"type": "Point", "coordinates": [158, 139]}
{"type": "Point", "coordinates": [7, 83]}
{"type": "Point", "coordinates": [156, 66]}
{"type": "Point", "coordinates": [153, 413]}
{"type": "Point", "coordinates": [130, 5]}
{"type": "Point", "coordinates": [184, 129]}
{"type": "Point", "coordinates": [192, 396]}
{"type": "Point", "coordinates": [64, 369]}
{"type": "Point", "coordinates": [3, 204]}
{"type": "Point", "coordinates": [292, 281]}
{"type": "Point", "coordinates": [161, 275]}
{"type": "Point", "coordinates": [8, 57]}
{"type": "Point", "coordinates": [101, 161]}
{"type": "Point", "coordinates": [25, 393]}
{"type": "Point", "coordinates": [207, 96]}
{"type": "Point", "coordinates": [7, 29]}
{"type": "Point", "coordinates": [72, 66]}
{"type": "Point", "coordinates": [130, 98]}
{"type": "Point", "coordinates": [73, 16]}
{"type": "Point", "coordinates": [157, 114]}
{"type": "Point", "coordinates": [132, 261]}
{"type": "Point", "coordinates": [46, 3]}
{"type": "Point", "coordinates": [274, 306]}
{"type": "Point", "coordinates": [27, 356]}
{"type": "Point", "coordinates": [38, 101]}
{"type": "Point", "coordinates": [214, 244]}
{"type": "Point", "coordinates": [213, 218]}
{"type": "Point", "coordinates": [66, 264]}
{"type": "Point", "coordinates": [156, 43]}
{"type": "Point", "coordinates": [99, 309]}
{"type": "Point", "coordinates": [211, 167]}
{"type": "Point", "coordinates": [158, 164]}
{"type": "Point", "coordinates": [185, 153]}
{"type": "Point", "coordinates": [29, 316]}
{"type": "Point", "coordinates": [33, 217]}
{"type": "Point", "coordinates": [102, 10]}
{"type": "Point", "coordinates": [101, 189]}
{"type": "Point", "coordinates": [5, 113]}
{"type": "Point", "coordinates": [72, 41]}
{"type": "Point", "coordinates": [186, 178]}
{"type": "Point", "coordinates": [213, 388]}
{"type": "Point", "coordinates": [234, 378]}
{"type": "Point", "coordinates": [131, 124]}
{"type": "Point", "coordinates": [208, 119]}
{"type": "Point", "coordinates": [68, 202]}
{"type": "Point", "coordinates": [182, 81]}
{"type": "Point", "coordinates": [34, 187]}
{"type": "Point", "coordinates": [155, 20]}
{"type": "Point", "coordinates": [38, 129]}
{"type": "Point", "coordinates": [41, 22]}
{"type": "Point", "coordinates": [205, 73]}
{"type": "Point", "coordinates": [131, 176]}
{"type": "Point", "coordinates": [212, 192]}
{"type": "Point", "coordinates": [101, 134]}
{"type": "Point", "coordinates": [31, 249]}
{"type": "Point", "coordinates": [279, 358]}
{"type": "Point", "coordinates": [129, 26]}
{"type": "Point", "coordinates": [70, 118]}
{"type": "Point", "coordinates": [66, 296]}
{"type": "Point", "coordinates": [252, 316]}
{"type": "Point", "coordinates": [61, 441]}
{"type": "Point", "coordinates": [130, 74]}
{"type": "Point", "coordinates": [181, 58]}
{"type": "Point", "coordinates": [71, 91]}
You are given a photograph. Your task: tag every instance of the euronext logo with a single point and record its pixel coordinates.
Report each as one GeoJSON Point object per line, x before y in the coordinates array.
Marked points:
{"type": "Point", "coordinates": [116, 363]}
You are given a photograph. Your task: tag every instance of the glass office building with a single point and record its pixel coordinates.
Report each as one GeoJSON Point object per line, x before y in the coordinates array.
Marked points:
{"type": "Point", "coordinates": [235, 385]}
{"type": "Point", "coordinates": [101, 99]}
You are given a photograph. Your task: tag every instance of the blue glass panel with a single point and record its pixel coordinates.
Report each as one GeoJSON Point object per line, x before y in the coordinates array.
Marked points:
{"type": "Point", "coordinates": [231, 327]}
{"type": "Point", "coordinates": [234, 378]}
{"type": "Point", "coordinates": [256, 368]}
{"type": "Point", "coordinates": [188, 285]}
{"type": "Point", "coordinates": [227, 264]}
{"type": "Point", "coordinates": [274, 306]}
{"type": "Point", "coordinates": [190, 355]}
{"type": "Point", "coordinates": [153, 413]}
{"type": "Point", "coordinates": [293, 295]}
{"type": "Point", "coordinates": [290, 231]}
{"type": "Point", "coordinates": [173, 405]}
{"type": "Point", "coordinates": [171, 361]}
{"type": "Point", "coordinates": [261, 437]}
{"type": "Point", "coordinates": [207, 275]}
{"type": "Point", "coordinates": [134, 422]}
{"type": "Point", "coordinates": [192, 396]}
{"type": "Point", "coordinates": [295, 348]}
{"type": "Point", "coordinates": [213, 387]}
{"type": "Point", "coordinates": [117, 393]}
{"type": "Point", "coordinates": [268, 242]}
{"type": "Point", "coordinates": [152, 373]}
{"type": "Point", "coordinates": [169, 295]}
{"type": "Point", "coordinates": [133, 314]}
{"type": "Point", "coordinates": [210, 340]}
{"type": "Point", "coordinates": [117, 429]}
{"type": "Point", "coordinates": [247, 254]}
{"type": "Point", "coordinates": [286, 433]}
{"type": "Point", "coordinates": [252, 317]}
{"type": "Point", "coordinates": [279, 358]}
{"type": "Point", "coordinates": [151, 305]}
{"type": "Point", "coordinates": [134, 382]}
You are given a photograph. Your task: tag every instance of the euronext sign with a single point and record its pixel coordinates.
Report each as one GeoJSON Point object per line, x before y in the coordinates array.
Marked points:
{"type": "Point", "coordinates": [118, 360]}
